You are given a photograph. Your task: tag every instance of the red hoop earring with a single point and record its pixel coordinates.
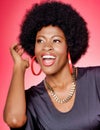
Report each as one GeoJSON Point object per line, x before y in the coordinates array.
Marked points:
{"type": "Point", "coordinates": [70, 63]}
{"type": "Point", "coordinates": [32, 69]}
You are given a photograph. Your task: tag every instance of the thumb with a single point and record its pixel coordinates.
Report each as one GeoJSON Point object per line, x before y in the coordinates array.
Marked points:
{"type": "Point", "coordinates": [27, 62]}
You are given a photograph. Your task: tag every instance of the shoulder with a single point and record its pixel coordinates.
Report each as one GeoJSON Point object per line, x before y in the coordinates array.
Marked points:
{"type": "Point", "coordinates": [35, 90]}
{"type": "Point", "coordinates": [91, 73]}
{"type": "Point", "coordinates": [91, 70]}
{"type": "Point", "coordinates": [89, 76]}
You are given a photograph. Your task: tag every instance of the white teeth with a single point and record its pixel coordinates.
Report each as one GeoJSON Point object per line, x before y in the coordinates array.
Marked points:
{"type": "Point", "coordinates": [48, 57]}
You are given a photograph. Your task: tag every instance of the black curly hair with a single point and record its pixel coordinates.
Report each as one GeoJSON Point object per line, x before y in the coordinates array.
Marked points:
{"type": "Point", "coordinates": [56, 14]}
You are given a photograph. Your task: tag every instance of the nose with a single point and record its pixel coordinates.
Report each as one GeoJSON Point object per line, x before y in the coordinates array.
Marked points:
{"type": "Point", "coordinates": [48, 46]}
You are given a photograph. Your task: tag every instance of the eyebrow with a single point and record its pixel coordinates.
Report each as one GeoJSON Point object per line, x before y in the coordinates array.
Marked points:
{"type": "Point", "coordinates": [52, 36]}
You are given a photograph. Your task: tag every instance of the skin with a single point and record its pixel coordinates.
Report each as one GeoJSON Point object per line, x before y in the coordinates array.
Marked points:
{"type": "Point", "coordinates": [15, 107]}
{"type": "Point", "coordinates": [50, 41]}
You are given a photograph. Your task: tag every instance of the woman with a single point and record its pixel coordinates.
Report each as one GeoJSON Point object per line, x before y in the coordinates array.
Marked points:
{"type": "Point", "coordinates": [53, 34]}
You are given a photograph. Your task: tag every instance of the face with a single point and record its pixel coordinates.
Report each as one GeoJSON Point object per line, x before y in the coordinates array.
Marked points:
{"type": "Point", "coordinates": [51, 49]}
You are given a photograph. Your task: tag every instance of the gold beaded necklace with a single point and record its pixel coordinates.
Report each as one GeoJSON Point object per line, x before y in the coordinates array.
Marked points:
{"type": "Point", "coordinates": [69, 94]}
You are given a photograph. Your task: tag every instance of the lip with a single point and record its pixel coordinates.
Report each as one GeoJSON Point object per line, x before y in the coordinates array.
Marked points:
{"type": "Point", "coordinates": [48, 59]}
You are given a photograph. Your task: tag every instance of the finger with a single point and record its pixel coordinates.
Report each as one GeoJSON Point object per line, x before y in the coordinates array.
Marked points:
{"type": "Point", "coordinates": [13, 48]}
{"type": "Point", "coordinates": [21, 51]}
{"type": "Point", "coordinates": [27, 62]}
{"type": "Point", "coordinates": [18, 48]}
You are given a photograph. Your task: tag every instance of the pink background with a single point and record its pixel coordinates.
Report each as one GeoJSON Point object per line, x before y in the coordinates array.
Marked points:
{"type": "Point", "coordinates": [11, 15]}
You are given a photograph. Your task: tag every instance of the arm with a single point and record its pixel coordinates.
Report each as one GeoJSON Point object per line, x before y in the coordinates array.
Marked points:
{"type": "Point", "coordinates": [15, 107]}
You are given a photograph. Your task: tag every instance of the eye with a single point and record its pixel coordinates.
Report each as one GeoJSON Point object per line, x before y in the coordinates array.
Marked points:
{"type": "Point", "coordinates": [39, 41]}
{"type": "Point", "coordinates": [56, 41]}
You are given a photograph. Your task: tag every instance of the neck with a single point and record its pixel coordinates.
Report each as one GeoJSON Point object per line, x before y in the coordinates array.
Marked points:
{"type": "Point", "coordinates": [60, 80]}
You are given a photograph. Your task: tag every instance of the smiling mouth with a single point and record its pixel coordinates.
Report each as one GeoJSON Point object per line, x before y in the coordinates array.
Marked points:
{"type": "Point", "coordinates": [48, 60]}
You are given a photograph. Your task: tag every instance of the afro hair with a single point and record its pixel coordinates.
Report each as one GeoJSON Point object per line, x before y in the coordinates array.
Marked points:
{"type": "Point", "coordinates": [56, 14]}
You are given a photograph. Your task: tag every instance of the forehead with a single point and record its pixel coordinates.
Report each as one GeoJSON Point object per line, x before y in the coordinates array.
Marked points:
{"type": "Point", "coordinates": [50, 31]}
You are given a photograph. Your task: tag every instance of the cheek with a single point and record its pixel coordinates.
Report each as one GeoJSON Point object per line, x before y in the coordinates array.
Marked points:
{"type": "Point", "coordinates": [62, 56]}
{"type": "Point", "coordinates": [37, 49]}
{"type": "Point", "coordinates": [62, 50]}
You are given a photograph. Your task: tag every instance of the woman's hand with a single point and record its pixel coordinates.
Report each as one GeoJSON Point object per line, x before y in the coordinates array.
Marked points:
{"type": "Point", "coordinates": [17, 51]}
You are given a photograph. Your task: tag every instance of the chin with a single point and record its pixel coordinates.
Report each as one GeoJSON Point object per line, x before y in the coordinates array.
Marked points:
{"type": "Point", "coordinates": [49, 72]}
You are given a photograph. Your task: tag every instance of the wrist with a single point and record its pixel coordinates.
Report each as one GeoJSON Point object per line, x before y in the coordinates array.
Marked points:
{"type": "Point", "coordinates": [19, 67]}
